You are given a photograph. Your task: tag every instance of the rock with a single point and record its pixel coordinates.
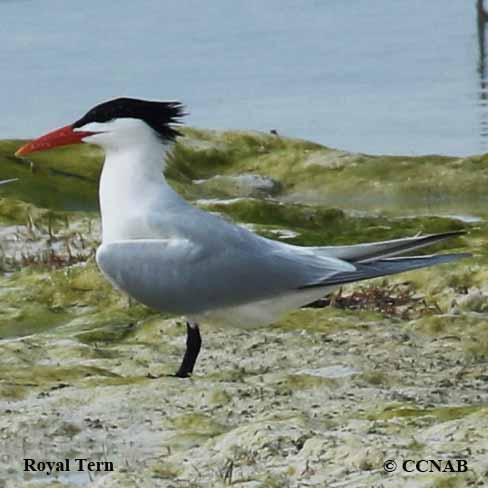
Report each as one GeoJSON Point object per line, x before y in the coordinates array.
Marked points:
{"type": "Point", "coordinates": [475, 300]}
{"type": "Point", "coordinates": [244, 185]}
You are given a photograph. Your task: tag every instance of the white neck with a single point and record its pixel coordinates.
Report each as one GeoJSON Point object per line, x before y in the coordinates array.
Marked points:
{"type": "Point", "coordinates": [132, 186]}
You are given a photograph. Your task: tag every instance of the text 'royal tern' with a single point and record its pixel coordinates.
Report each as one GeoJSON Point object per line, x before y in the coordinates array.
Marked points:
{"type": "Point", "coordinates": [176, 258]}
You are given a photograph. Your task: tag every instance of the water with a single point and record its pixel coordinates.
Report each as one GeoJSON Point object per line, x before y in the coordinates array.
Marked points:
{"type": "Point", "coordinates": [377, 76]}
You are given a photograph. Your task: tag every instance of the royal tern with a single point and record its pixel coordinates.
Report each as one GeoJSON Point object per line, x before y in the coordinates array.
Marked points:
{"type": "Point", "coordinates": [174, 257]}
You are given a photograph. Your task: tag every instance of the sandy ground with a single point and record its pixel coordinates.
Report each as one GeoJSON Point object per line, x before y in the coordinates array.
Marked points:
{"type": "Point", "coordinates": [270, 407]}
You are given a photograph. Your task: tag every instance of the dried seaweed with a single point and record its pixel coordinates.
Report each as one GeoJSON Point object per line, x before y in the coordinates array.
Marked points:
{"type": "Point", "coordinates": [399, 300]}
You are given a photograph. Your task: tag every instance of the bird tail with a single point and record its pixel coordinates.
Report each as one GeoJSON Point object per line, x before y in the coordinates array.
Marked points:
{"type": "Point", "coordinates": [385, 267]}
{"type": "Point", "coordinates": [364, 253]}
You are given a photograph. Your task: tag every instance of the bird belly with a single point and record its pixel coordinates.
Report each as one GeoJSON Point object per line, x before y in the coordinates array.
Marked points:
{"type": "Point", "coordinates": [262, 312]}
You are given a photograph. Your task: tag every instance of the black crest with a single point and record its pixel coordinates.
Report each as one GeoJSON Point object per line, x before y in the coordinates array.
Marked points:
{"type": "Point", "coordinates": [158, 115]}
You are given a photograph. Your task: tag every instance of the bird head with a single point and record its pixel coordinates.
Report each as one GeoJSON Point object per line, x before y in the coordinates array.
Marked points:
{"type": "Point", "coordinates": [114, 124]}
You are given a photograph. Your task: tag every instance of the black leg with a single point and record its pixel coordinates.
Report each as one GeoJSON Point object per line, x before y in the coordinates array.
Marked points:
{"type": "Point", "coordinates": [193, 344]}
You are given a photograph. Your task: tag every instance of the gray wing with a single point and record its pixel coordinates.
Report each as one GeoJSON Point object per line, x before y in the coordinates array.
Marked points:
{"type": "Point", "coordinates": [182, 276]}
{"type": "Point", "coordinates": [370, 251]}
{"type": "Point", "coordinates": [385, 267]}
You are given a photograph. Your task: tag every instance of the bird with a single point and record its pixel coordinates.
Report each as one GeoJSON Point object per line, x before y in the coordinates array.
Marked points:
{"type": "Point", "coordinates": [174, 257]}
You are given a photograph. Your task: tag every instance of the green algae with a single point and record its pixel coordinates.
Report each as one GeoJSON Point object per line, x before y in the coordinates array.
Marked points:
{"type": "Point", "coordinates": [274, 480]}
{"type": "Point", "coordinates": [297, 382]}
{"type": "Point", "coordinates": [376, 377]}
{"type": "Point", "coordinates": [92, 381]}
{"type": "Point", "coordinates": [165, 471]}
{"type": "Point", "coordinates": [326, 320]}
{"type": "Point", "coordinates": [475, 342]}
{"type": "Point", "coordinates": [469, 331]}
{"type": "Point", "coordinates": [13, 211]}
{"type": "Point", "coordinates": [201, 154]}
{"type": "Point", "coordinates": [198, 423]}
{"type": "Point", "coordinates": [306, 171]}
{"type": "Point", "coordinates": [193, 429]}
{"type": "Point", "coordinates": [52, 180]}
{"type": "Point", "coordinates": [110, 333]}
{"type": "Point", "coordinates": [41, 299]}
{"type": "Point", "coordinates": [438, 414]}
{"type": "Point", "coordinates": [13, 391]}
{"type": "Point", "coordinates": [227, 375]}
{"type": "Point", "coordinates": [219, 397]}
{"type": "Point", "coordinates": [334, 178]}
{"type": "Point", "coordinates": [26, 380]}
{"type": "Point", "coordinates": [318, 225]}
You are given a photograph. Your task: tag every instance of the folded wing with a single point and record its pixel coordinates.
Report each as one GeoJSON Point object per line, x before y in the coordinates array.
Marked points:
{"type": "Point", "coordinates": [184, 277]}
{"type": "Point", "coordinates": [370, 251]}
{"type": "Point", "coordinates": [385, 267]}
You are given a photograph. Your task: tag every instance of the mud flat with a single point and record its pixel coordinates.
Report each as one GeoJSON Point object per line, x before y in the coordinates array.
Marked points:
{"type": "Point", "coordinates": [391, 369]}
